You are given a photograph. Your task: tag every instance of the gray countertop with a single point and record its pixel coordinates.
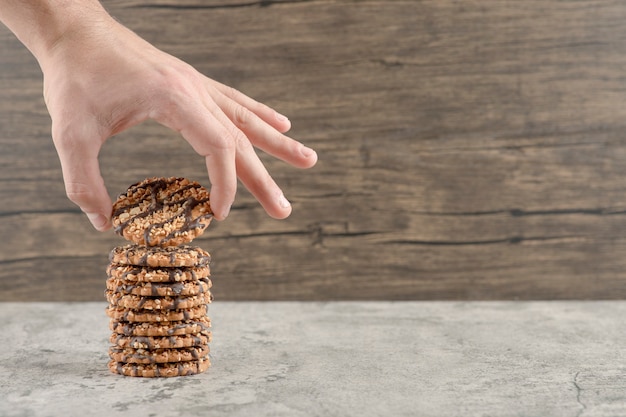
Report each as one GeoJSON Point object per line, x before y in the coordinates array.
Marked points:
{"type": "Point", "coordinates": [332, 359]}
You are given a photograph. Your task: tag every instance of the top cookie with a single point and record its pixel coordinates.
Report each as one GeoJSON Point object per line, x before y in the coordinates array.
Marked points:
{"type": "Point", "coordinates": [162, 212]}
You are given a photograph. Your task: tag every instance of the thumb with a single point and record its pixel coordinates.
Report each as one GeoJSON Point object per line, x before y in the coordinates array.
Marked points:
{"type": "Point", "coordinates": [83, 181]}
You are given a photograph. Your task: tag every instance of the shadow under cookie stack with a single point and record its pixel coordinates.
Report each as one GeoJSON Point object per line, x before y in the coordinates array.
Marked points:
{"type": "Point", "coordinates": [158, 287]}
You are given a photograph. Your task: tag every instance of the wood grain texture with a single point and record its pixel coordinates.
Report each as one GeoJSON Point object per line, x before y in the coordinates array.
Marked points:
{"type": "Point", "coordinates": [468, 150]}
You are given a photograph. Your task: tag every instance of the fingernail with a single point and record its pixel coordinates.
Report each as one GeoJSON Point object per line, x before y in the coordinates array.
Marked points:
{"type": "Point", "coordinates": [307, 152]}
{"type": "Point", "coordinates": [97, 220]}
{"type": "Point", "coordinates": [225, 212]}
{"type": "Point", "coordinates": [283, 202]}
{"type": "Point", "coordinates": [281, 118]}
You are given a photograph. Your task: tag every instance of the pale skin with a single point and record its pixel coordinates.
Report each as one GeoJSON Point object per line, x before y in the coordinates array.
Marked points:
{"type": "Point", "coordinates": [100, 78]}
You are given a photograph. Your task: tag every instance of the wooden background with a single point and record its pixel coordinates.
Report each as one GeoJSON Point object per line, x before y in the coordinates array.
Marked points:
{"type": "Point", "coordinates": [468, 150]}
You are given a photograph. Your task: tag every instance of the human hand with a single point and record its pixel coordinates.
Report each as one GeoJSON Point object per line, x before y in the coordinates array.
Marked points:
{"type": "Point", "coordinates": [100, 79]}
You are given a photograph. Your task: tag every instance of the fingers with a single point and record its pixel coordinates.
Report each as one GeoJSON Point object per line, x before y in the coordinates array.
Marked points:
{"type": "Point", "coordinates": [266, 113]}
{"type": "Point", "coordinates": [250, 170]}
{"type": "Point", "coordinates": [83, 182]}
{"type": "Point", "coordinates": [210, 135]}
{"type": "Point", "coordinates": [269, 140]}
{"type": "Point", "coordinates": [222, 174]}
{"type": "Point", "coordinates": [223, 125]}
{"type": "Point", "coordinates": [256, 124]}
{"type": "Point", "coordinates": [264, 136]}
{"type": "Point", "coordinates": [258, 181]}
{"type": "Point", "coordinates": [222, 135]}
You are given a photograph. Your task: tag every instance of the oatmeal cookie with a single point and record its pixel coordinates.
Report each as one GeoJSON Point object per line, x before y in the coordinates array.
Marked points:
{"type": "Point", "coordinates": [162, 212]}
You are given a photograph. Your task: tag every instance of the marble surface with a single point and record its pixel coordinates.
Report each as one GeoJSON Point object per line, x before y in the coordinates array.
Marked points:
{"type": "Point", "coordinates": [332, 359]}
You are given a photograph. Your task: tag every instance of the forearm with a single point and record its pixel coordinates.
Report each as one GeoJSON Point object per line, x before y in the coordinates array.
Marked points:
{"type": "Point", "coordinates": [40, 24]}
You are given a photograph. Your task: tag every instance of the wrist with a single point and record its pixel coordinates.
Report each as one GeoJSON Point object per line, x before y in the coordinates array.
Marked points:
{"type": "Point", "coordinates": [43, 25]}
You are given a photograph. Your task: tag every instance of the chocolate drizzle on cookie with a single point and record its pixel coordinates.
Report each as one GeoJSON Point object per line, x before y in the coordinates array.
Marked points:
{"type": "Point", "coordinates": [158, 355]}
{"type": "Point", "coordinates": [201, 326]}
{"type": "Point", "coordinates": [177, 257]}
{"type": "Point", "coordinates": [160, 342]}
{"type": "Point", "coordinates": [158, 289]}
{"type": "Point", "coordinates": [172, 369]}
{"type": "Point", "coordinates": [179, 205]}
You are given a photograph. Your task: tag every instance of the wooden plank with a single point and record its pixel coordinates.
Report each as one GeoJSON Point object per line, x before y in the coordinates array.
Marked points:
{"type": "Point", "coordinates": [467, 151]}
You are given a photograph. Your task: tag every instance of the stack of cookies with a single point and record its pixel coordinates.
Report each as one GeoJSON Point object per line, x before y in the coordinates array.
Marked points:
{"type": "Point", "coordinates": [158, 287]}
